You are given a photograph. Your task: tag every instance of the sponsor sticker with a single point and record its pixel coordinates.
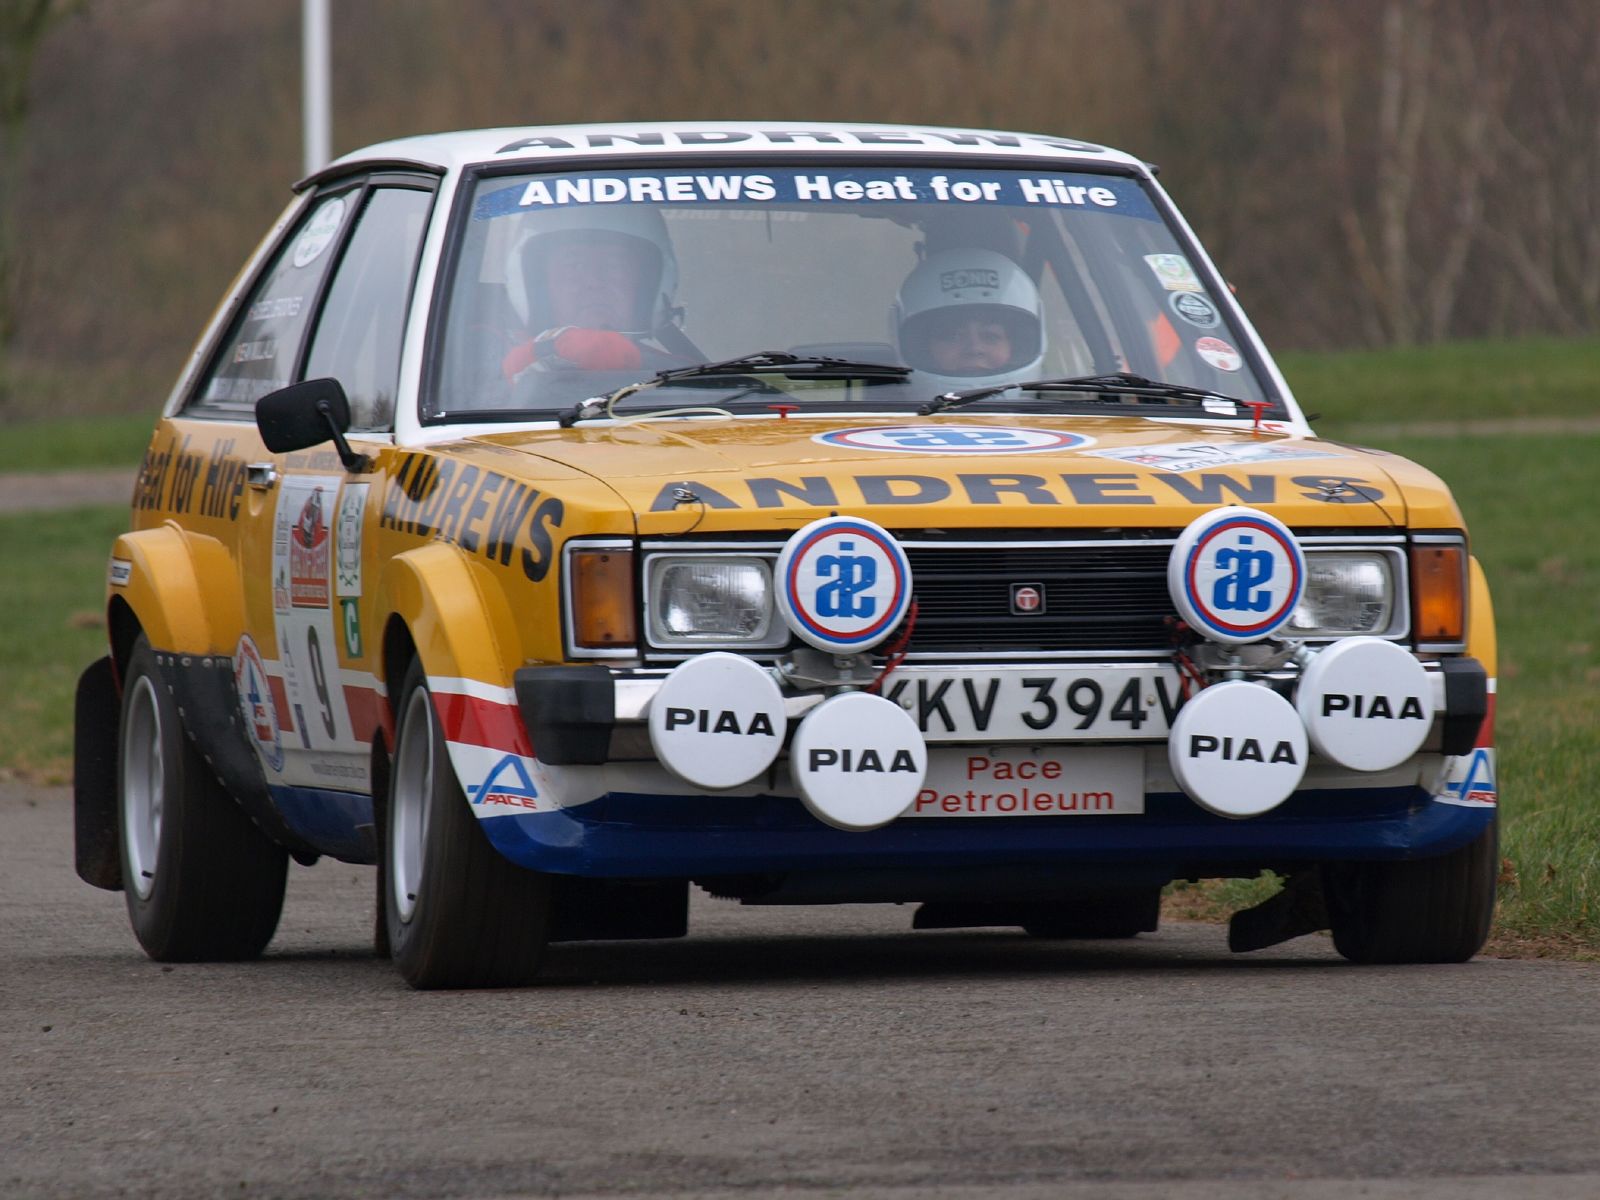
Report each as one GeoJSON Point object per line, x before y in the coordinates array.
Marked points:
{"type": "Point", "coordinates": [1094, 193]}
{"type": "Point", "coordinates": [1031, 781]}
{"type": "Point", "coordinates": [1469, 780]}
{"type": "Point", "coordinates": [1367, 704]}
{"type": "Point", "coordinates": [255, 702]}
{"type": "Point", "coordinates": [1173, 272]}
{"type": "Point", "coordinates": [119, 572]}
{"type": "Point", "coordinates": [953, 439]}
{"type": "Point", "coordinates": [507, 788]}
{"type": "Point", "coordinates": [1198, 456]}
{"type": "Point", "coordinates": [717, 720]}
{"type": "Point", "coordinates": [1236, 574]}
{"type": "Point", "coordinates": [319, 232]}
{"type": "Point", "coordinates": [350, 626]}
{"type": "Point", "coordinates": [1194, 308]}
{"type": "Point", "coordinates": [843, 584]}
{"type": "Point", "coordinates": [1238, 749]}
{"type": "Point", "coordinates": [264, 350]}
{"type": "Point", "coordinates": [275, 308]}
{"type": "Point", "coordinates": [858, 761]}
{"type": "Point", "coordinates": [308, 555]}
{"type": "Point", "coordinates": [1219, 354]}
{"type": "Point", "coordinates": [347, 539]}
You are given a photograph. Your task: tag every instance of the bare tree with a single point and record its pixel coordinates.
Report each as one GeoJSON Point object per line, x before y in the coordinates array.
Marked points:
{"type": "Point", "coordinates": [1414, 127]}
{"type": "Point", "coordinates": [23, 26]}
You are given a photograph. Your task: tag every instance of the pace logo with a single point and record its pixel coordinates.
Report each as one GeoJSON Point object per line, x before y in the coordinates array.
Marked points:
{"type": "Point", "coordinates": [508, 785]}
{"type": "Point", "coordinates": [1470, 780]}
{"type": "Point", "coordinates": [954, 439]}
{"type": "Point", "coordinates": [843, 584]}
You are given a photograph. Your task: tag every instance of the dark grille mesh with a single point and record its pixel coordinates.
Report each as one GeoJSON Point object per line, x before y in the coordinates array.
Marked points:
{"type": "Point", "coordinates": [1103, 597]}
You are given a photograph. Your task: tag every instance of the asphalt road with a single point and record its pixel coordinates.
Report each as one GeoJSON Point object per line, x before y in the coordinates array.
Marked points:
{"type": "Point", "coordinates": [804, 1053]}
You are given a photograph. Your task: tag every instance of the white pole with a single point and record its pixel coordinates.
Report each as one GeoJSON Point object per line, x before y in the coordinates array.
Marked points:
{"type": "Point", "coordinates": [316, 105]}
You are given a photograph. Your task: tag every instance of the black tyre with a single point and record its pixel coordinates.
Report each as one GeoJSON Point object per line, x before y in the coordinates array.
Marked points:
{"type": "Point", "coordinates": [458, 914]}
{"type": "Point", "coordinates": [1431, 910]}
{"type": "Point", "coordinates": [203, 883]}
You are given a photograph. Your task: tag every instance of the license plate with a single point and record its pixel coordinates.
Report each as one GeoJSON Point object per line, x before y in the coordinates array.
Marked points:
{"type": "Point", "coordinates": [1038, 704]}
{"type": "Point", "coordinates": [1031, 781]}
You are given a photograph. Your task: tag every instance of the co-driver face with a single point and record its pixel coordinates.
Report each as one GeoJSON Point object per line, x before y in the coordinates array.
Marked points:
{"type": "Point", "coordinates": [970, 346]}
{"type": "Point", "coordinates": [595, 285]}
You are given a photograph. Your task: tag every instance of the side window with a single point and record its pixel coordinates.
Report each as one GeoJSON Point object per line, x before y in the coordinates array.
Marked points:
{"type": "Point", "coordinates": [358, 335]}
{"type": "Point", "coordinates": [262, 346]}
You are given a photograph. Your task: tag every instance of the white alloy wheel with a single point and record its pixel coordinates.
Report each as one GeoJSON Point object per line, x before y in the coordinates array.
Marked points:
{"type": "Point", "coordinates": [143, 785]}
{"type": "Point", "coordinates": [413, 798]}
{"type": "Point", "coordinates": [457, 912]}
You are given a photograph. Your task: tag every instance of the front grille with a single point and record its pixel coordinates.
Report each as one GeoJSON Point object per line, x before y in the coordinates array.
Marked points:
{"type": "Point", "coordinates": [1099, 598]}
{"type": "Point", "coordinates": [1106, 594]}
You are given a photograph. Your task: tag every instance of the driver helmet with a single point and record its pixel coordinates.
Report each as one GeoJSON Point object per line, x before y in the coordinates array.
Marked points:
{"type": "Point", "coordinates": [640, 229]}
{"type": "Point", "coordinates": [970, 317]}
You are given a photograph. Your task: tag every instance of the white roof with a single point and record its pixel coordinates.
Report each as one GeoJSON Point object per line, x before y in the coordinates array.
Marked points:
{"type": "Point", "coordinates": [551, 143]}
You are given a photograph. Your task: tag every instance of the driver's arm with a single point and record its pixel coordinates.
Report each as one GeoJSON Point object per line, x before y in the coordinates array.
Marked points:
{"type": "Point", "coordinates": [569, 346]}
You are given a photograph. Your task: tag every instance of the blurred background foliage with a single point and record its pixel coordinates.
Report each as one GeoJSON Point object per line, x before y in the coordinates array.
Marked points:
{"type": "Point", "coordinates": [1368, 173]}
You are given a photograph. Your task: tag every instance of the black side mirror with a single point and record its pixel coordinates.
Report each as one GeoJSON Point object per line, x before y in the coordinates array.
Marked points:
{"type": "Point", "coordinates": [307, 414]}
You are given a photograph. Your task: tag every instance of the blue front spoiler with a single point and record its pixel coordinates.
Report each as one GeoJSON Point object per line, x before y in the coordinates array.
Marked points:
{"type": "Point", "coordinates": [650, 836]}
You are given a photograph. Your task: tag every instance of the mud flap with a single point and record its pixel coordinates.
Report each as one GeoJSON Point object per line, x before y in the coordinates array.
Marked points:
{"type": "Point", "coordinates": [1299, 908]}
{"type": "Point", "coordinates": [97, 714]}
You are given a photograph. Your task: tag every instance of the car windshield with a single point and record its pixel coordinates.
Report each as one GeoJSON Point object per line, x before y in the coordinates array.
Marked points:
{"type": "Point", "coordinates": [573, 285]}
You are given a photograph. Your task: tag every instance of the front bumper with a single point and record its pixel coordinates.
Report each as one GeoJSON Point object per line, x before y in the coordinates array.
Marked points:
{"type": "Point", "coordinates": [599, 804]}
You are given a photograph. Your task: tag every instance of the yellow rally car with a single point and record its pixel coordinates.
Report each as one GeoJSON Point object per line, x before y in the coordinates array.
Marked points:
{"type": "Point", "coordinates": [560, 517]}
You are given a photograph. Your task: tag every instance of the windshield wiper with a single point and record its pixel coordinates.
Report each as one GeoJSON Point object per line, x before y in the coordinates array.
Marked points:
{"type": "Point", "coordinates": [1118, 383]}
{"type": "Point", "coordinates": [763, 362]}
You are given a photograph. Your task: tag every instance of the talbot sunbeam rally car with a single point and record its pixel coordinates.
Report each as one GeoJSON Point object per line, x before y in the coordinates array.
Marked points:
{"type": "Point", "coordinates": [560, 518]}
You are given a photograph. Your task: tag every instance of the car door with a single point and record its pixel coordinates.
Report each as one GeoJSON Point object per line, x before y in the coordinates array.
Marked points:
{"type": "Point", "coordinates": [332, 302]}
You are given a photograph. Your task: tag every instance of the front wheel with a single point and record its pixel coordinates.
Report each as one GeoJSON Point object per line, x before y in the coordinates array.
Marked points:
{"type": "Point", "coordinates": [458, 913]}
{"type": "Point", "coordinates": [202, 882]}
{"type": "Point", "coordinates": [1431, 910]}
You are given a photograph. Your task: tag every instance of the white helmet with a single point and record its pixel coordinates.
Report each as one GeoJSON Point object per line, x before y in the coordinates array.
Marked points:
{"type": "Point", "coordinates": [527, 272]}
{"type": "Point", "coordinates": [954, 286]}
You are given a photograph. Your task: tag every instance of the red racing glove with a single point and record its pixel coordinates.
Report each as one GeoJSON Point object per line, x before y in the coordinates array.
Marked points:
{"type": "Point", "coordinates": [586, 349]}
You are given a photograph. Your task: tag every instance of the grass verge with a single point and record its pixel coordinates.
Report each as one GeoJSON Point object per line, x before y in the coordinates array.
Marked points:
{"type": "Point", "coordinates": [75, 443]}
{"type": "Point", "coordinates": [1526, 501]}
{"type": "Point", "coordinates": [53, 592]}
{"type": "Point", "coordinates": [1463, 380]}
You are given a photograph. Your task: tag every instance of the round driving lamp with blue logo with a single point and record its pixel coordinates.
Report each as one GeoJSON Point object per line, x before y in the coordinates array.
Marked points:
{"type": "Point", "coordinates": [843, 584]}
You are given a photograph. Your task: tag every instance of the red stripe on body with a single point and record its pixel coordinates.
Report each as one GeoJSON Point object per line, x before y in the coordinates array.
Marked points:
{"type": "Point", "coordinates": [367, 713]}
{"type": "Point", "coordinates": [280, 700]}
{"type": "Point", "coordinates": [482, 723]}
{"type": "Point", "coordinates": [1486, 730]}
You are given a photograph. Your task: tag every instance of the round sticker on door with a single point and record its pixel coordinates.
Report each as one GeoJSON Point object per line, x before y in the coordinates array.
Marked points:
{"type": "Point", "coordinates": [1219, 354]}
{"type": "Point", "coordinates": [1195, 309]}
{"type": "Point", "coordinates": [954, 439]}
{"type": "Point", "coordinates": [843, 584]}
{"type": "Point", "coordinates": [1238, 749]}
{"type": "Point", "coordinates": [1235, 575]}
{"type": "Point", "coordinates": [319, 232]}
{"type": "Point", "coordinates": [858, 761]}
{"type": "Point", "coordinates": [717, 721]}
{"type": "Point", "coordinates": [255, 702]}
{"type": "Point", "coordinates": [1367, 704]}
